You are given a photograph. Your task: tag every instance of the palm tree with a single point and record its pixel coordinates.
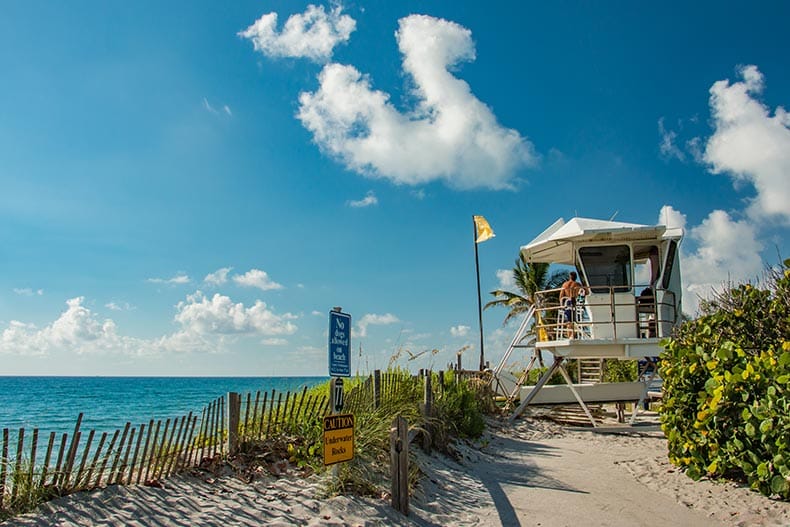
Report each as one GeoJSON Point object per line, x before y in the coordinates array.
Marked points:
{"type": "Point", "coordinates": [529, 278]}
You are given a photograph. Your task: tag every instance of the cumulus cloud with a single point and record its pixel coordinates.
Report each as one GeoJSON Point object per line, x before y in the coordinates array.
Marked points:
{"type": "Point", "coordinates": [218, 277]}
{"type": "Point", "coordinates": [727, 250]}
{"type": "Point", "coordinates": [449, 135]}
{"type": "Point", "coordinates": [371, 319]}
{"type": "Point", "coordinates": [26, 291]}
{"type": "Point", "coordinates": [369, 200]}
{"type": "Point", "coordinates": [205, 325]}
{"type": "Point", "coordinates": [76, 330]}
{"type": "Point", "coordinates": [312, 34]}
{"type": "Point", "coordinates": [459, 331]}
{"type": "Point", "coordinates": [179, 279]}
{"type": "Point", "coordinates": [257, 278]}
{"type": "Point", "coordinates": [220, 315]}
{"type": "Point", "coordinates": [750, 144]}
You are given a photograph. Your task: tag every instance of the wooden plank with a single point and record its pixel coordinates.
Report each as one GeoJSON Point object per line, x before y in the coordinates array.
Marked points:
{"type": "Point", "coordinates": [160, 453]}
{"type": "Point", "coordinates": [234, 411]}
{"type": "Point", "coordinates": [376, 388]}
{"type": "Point", "coordinates": [301, 402]}
{"type": "Point", "coordinates": [33, 448]}
{"type": "Point", "coordinates": [175, 448]}
{"type": "Point", "coordinates": [247, 414]}
{"type": "Point", "coordinates": [72, 453]}
{"type": "Point", "coordinates": [201, 435]}
{"type": "Point", "coordinates": [271, 411]}
{"type": "Point", "coordinates": [106, 458]}
{"type": "Point", "coordinates": [255, 413]}
{"type": "Point", "coordinates": [399, 465]}
{"type": "Point", "coordinates": [95, 461]}
{"type": "Point", "coordinates": [84, 459]}
{"type": "Point", "coordinates": [180, 445]}
{"type": "Point", "coordinates": [170, 447]}
{"type": "Point", "coordinates": [189, 444]}
{"type": "Point", "coordinates": [125, 464]}
{"type": "Point", "coordinates": [151, 452]}
{"type": "Point", "coordinates": [263, 414]}
{"type": "Point", "coordinates": [57, 476]}
{"type": "Point", "coordinates": [145, 451]}
{"type": "Point", "coordinates": [45, 467]}
{"type": "Point", "coordinates": [113, 470]}
{"type": "Point", "coordinates": [221, 425]}
{"type": "Point", "coordinates": [214, 428]}
{"type": "Point", "coordinates": [18, 466]}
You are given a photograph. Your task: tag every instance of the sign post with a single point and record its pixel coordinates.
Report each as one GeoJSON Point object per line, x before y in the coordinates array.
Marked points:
{"type": "Point", "coordinates": [338, 428]}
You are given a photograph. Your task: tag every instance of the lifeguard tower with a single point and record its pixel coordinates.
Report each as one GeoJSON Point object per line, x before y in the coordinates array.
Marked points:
{"type": "Point", "coordinates": [629, 300]}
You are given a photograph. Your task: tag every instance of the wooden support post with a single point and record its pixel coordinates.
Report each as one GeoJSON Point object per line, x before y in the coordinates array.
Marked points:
{"type": "Point", "coordinates": [376, 388]}
{"type": "Point", "coordinates": [458, 364]}
{"type": "Point", "coordinates": [234, 414]}
{"type": "Point", "coordinates": [441, 382]}
{"type": "Point", "coordinates": [399, 465]}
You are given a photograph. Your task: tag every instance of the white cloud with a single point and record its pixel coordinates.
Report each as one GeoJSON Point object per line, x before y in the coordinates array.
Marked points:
{"type": "Point", "coordinates": [726, 251]}
{"type": "Point", "coordinates": [369, 200]}
{"type": "Point", "coordinates": [206, 325]}
{"type": "Point", "coordinates": [449, 135]}
{"type": "Point", "coordinates": [312, 34]}
{"type": "Point", "coordinates": [459, 331]}
{"type": "Point", "coordinates": [317, 313]}
{"type": "Point", "coordinates": [26, 291]}
{"type": "Point", "coordinates": [371, 319]}
{"type": "Point", "coordinates": [257, 278]}
{"type": "Point", "coordinates": [77, 330]}
{"type": "Point", "coordinates": [667, 145]}
{"type": "Point", "coordinates": [115, 306]}
{"type": "Point", "coordinates": [220, 315]}
{"type": "Point", "coordinates": [750, 144]}
{"type": "Point", "coordinates": [505, 277]}
{"type": "Point", "coordinates": [179, 279]}
{"type": "Point", "coordinates": [226, 108]}
{"type": "Point", "coordinates": [218, 277]}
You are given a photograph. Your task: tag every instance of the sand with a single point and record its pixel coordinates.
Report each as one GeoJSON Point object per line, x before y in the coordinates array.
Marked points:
{"type": "Point", "coordinates": [535, 473]}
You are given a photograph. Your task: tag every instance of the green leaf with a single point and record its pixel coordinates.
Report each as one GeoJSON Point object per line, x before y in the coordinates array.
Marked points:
{"type": "Point", "coordinates": [779, 485]}
{"type": "Point", "coordinates": [762, 470]}
{"type": "Point", "coordinates": [750, 430]}
{"type": "Point", "coordinates": [784, 358]}
{"type": "Point", "coordinates": [766, 426]}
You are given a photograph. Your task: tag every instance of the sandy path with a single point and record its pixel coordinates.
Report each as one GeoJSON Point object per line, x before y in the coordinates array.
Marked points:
{"type": "Point", "coordinates": [533, 474]}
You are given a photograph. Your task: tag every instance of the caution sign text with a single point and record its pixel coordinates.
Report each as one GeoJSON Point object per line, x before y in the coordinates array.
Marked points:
{"type": "Point", "coordinates": [338, 438]}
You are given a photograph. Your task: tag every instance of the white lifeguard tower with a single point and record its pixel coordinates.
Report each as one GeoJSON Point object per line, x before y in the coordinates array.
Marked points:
{"type": "Point", "coordinates": [629, 301]}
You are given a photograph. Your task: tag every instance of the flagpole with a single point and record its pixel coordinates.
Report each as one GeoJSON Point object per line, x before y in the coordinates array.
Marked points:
{"type": "Point", "coordinates": [479, 299]}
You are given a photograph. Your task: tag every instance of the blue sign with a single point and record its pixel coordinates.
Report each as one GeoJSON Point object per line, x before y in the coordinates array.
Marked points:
{"type": "Point", "coordinates": [339, 344]}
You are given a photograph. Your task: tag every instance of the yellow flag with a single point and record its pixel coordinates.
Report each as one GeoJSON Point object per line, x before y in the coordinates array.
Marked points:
{"type": "Point", "coordinates": [483, 229]}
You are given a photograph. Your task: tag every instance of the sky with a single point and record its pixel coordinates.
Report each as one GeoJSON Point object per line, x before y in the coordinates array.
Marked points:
{"type": "Point", "coordinates": [188, 188]}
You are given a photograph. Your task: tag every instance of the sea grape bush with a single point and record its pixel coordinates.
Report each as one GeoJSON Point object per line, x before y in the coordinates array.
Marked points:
{"type": "Point", "coordinates": [726, 407]}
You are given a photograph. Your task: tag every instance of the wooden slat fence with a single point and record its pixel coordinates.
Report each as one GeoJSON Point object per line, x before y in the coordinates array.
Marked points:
{"type": "Point", "coordinates": [142, 454]}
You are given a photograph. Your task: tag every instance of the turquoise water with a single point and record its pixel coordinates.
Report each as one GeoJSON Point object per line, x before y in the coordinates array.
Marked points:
{"type": "Point", "coordinates": [52, 404]}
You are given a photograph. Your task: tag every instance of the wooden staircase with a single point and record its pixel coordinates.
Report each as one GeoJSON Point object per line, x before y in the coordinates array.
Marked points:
{"type": "Point", "coordinates": [590, 371]}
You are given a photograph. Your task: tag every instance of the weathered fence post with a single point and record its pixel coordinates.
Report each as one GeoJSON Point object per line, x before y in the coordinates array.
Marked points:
{"type": "Point", "coordinates": [458, 363]}
{"type": "Point", "coordinates": [399, 465]}
{"type": "Point", "coordinates": [233, 415]}
{"type": "Point", "coordinates": [376, 388]}
{"type": "Point", "coordinates": [441, 382]}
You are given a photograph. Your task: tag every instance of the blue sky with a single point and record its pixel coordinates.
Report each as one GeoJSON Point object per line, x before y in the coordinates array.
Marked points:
{"type": "Point", "coordinates": [188, 188]}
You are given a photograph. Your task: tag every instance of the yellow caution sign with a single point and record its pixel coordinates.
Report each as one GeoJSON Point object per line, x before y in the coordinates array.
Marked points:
{"type": "Point", "coordinates": [338, 438]}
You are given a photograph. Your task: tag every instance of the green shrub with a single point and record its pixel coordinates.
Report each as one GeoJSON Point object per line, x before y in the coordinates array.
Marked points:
{"type": "Point", "coordinates": [459, 411]}
{"type": "Point", "coordinates": [726, 407]}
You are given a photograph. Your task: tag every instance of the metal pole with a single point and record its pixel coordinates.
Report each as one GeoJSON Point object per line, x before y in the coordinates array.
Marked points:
{"type": "Point", "coordinates": [479, 299]}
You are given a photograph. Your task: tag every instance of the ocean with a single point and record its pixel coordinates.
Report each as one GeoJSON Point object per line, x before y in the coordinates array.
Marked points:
{"type": "Point", "coordinates": [52, 404]}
